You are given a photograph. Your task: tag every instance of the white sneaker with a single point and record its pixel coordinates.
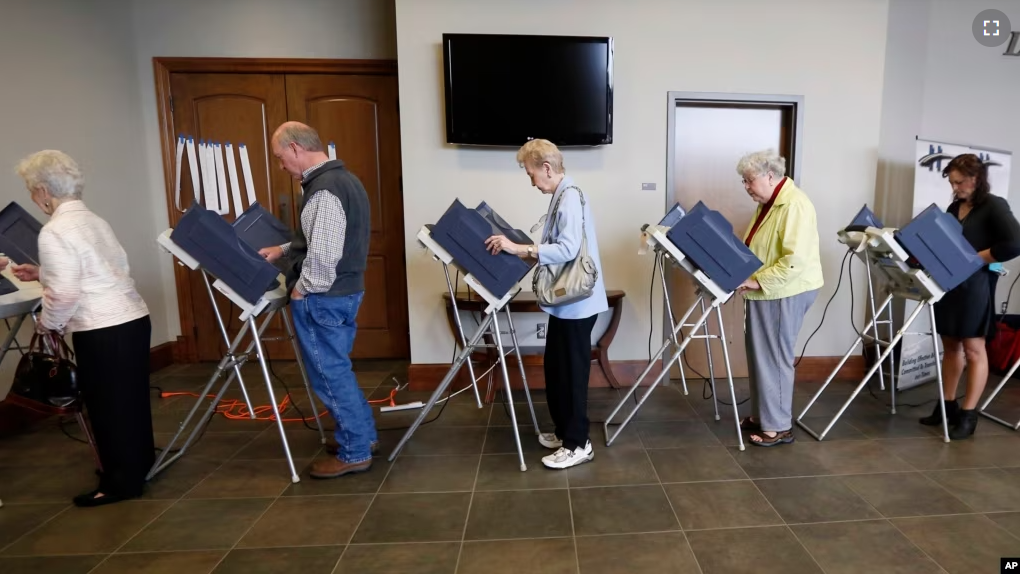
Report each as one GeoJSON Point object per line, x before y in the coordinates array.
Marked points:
{"type": "Point", "coordinates": [564, 458]}
{"type": "Point", "coordinates": [550, 440]}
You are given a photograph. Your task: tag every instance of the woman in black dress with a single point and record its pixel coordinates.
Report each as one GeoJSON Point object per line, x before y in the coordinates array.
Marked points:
{"type": "Point", "coordinates": [965, 314]}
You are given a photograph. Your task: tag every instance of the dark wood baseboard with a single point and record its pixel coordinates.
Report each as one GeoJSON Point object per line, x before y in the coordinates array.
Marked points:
{"type": "Point", "coordinates": [427, 376]}
{"type": "Point", "coordinates": [162, 356]}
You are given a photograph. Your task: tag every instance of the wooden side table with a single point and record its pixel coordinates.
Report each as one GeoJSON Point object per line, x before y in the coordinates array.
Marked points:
{"type": "Point", "coordinates": [525, 302]}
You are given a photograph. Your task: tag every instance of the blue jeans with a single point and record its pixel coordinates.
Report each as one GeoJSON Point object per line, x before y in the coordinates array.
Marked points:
{"type": "Point", "coordinates": [325, 327]}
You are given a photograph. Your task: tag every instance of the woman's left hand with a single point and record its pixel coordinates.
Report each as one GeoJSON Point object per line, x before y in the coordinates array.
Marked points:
{"type": "Point", "coordinates": [749, 285]}
{"type": "Point", "coordinates": [25, 272]}
{"type": "Point", "coordinates": [498, 243]}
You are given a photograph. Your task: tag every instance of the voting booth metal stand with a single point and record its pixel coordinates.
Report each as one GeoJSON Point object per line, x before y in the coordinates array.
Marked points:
{"type": "Point", "coordinates": [708, 291]}
{"type": "Point", "coordinates": [488, 325]}
{"type": "Point", "coordinates": [267, 307]}
{"type": "Point", "coordinates": [885, 257]}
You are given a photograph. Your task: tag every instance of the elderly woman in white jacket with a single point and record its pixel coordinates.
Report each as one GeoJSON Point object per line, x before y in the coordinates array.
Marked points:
{"type": "Point", "coordinates": [568, 340]}
{"type": "Point", "coordinates": [88, 292]}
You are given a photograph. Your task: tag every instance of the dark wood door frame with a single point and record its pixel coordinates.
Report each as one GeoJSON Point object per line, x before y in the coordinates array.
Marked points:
{"type": "Point", "coordinates": [185, 349]}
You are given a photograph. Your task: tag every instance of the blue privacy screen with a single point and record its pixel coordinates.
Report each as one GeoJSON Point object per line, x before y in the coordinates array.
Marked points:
{"type": "Point", "coordinates": [864, 219]}
{"type": "Point", "coordinates": [672, 216]}
{"type": "Point", "coordinates": [935, 239]}
{"type": "Point", "coordinates": [212, 241]}
{"type": "Point", "coordinates": [707, 239]}
{"type": "Point", "coordinates": [19, 234]}
{"type": "Point", "coordinates": [259, 228]}
{"type": "Point", "coordinates": [462, 232]}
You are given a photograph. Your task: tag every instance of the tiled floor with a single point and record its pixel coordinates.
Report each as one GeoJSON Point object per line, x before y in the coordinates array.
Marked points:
{"type": "Point", "coordinates": [673, 494]}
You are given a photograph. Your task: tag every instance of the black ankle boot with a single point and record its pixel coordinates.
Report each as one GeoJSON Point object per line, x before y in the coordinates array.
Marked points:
{"type": "Point", "coordinates": [935, 418]}
{"type": "Point", "coordinates": [966, 425]}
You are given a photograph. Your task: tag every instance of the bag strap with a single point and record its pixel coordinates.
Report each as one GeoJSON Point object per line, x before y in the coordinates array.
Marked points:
{"type": "Point", "coordinates": [61, 346]}
{"type": "Point", "coordinates": [584, 224]}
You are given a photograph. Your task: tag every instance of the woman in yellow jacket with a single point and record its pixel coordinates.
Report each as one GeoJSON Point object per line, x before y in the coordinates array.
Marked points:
{"type": "Point", "coordinates": [784, 235]}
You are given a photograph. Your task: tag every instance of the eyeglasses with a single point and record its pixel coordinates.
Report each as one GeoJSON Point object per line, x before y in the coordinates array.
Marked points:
{"type": "Point", "coordinates": [746, 181]}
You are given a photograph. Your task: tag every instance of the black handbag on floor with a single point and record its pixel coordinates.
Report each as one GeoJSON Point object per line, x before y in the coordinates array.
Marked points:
{"type": "Point", "coordinates": [47, 376]}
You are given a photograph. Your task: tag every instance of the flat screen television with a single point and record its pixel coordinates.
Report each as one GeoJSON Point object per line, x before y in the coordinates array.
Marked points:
{"type": "Point", "coordinates": [503, 90]}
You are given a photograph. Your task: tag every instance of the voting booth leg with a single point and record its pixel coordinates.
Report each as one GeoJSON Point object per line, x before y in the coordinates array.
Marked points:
{"type": "Point", "coordinates": [12, 335]}
{"type": "Point", "coordinates": [874, 326]}
{"type": "Point", "coordinates": [464, 355]}
{"type": "Point", "coordinates": [665, 373]}
{"type": "Point", "coordinates": [460, 332]}
{"type": "Point", "coordinates": [304, 374]}
{"type": "Point", "coordinates": [938, 372]}
{"type": "Point", "coordinates": [669, 313]}
{"type": "Point", "coordinates": [711, 367]}
{"type": "Point", "coordinates": [226, 340]}
{"type": "Point", "coordinates": [223, 365]}
{"type": "Point", "coordinates": [506, 388]}
{"type": "Point", "coordinates": [520, 365]}
{"type": "Point", "coordinates": [995, 393]}
{"type": "Point", "coordinates": [729, 376]}
{"type": "Point", "coordinates": [272, 395]}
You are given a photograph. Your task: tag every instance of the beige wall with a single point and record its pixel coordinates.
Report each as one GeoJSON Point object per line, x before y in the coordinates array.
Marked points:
{"type": "Point", "coordinates": [831, 52]}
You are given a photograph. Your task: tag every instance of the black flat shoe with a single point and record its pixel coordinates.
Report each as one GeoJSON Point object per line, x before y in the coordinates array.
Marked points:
{"type": "Point", "coordinates": [90, 500]}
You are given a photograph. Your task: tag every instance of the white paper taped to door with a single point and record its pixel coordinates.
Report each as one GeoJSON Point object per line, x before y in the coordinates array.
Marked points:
{"type": "Point", "coordinates": [249, 185]}
{"type": "Point", "coordinates": [212, 196]}
{"type": "Point", "coordinates": [221, 179]}
{"type": "Point", "coordinates": [177, 172]}
{"type": "Point", "coordinates": [196, 184]}
{"type": "Point", "coordinates": [235, 189]}
{"type": "Point", "coordinates": [332, 151]}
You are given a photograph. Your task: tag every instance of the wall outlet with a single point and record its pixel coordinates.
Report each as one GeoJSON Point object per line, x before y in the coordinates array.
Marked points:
{"type": "Point", "coordinates": [541, 330]}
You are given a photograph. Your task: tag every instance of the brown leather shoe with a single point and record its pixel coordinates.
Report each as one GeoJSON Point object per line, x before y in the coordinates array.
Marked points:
{"type": "Point", "coordinates": [334, 449]}
{"type": "Point", "coordinates": [334, 467]}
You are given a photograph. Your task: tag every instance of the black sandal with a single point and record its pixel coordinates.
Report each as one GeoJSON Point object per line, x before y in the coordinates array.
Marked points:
{"type": "Point", "coordinates": [746, 424]}
{"type": "Point", "coordinates": [782, 437]}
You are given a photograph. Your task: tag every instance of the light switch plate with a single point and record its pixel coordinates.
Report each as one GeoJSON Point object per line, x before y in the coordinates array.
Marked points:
{"type": "Point", "coordinates": [647, 187]}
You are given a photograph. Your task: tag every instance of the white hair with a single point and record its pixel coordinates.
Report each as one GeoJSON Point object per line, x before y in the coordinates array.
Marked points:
{"type": "Point", "coordinates": [54, 170]}
{"type": "Point", "coordinates": [762, 162]}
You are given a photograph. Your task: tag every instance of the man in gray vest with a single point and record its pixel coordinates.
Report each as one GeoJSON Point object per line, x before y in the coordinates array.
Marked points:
{"type": "Point", "coordinates": [326, 278]}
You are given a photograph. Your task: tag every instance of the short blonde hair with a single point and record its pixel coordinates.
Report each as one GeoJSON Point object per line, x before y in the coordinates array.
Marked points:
{"type": "Point", "coordinates": [537, 152]}
{"type": "Point", "coordinates": [54, 170]}
{"type": "Point", "coordinates": [762, 162]}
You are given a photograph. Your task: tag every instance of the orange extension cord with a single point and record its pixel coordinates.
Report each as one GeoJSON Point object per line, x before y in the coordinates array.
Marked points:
{"type": "Point", "coordinates": [235, 409]}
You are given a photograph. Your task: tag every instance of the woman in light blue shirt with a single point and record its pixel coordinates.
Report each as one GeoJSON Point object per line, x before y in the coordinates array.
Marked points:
{"type": "Point", "coordinates": [568, 341]}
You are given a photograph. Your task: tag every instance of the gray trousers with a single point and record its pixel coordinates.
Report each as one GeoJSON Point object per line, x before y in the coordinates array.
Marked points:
{"type": "Point", "coordinates": [770, 334]}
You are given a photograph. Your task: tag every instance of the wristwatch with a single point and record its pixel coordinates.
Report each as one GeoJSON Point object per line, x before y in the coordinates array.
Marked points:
{"type": "Point", "coordinates": [531, 251]}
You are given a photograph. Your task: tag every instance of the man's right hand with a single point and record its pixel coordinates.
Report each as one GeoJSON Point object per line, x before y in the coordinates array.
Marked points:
{"type": "Point", "coordinates": [271, 253]}
{"type": "Point", "coordinates": [4, 261]}
{"type": "Point", "coordinates": [26, 272]}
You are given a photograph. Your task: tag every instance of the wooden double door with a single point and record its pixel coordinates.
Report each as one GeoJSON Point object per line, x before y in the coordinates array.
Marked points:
{"type": "Point", "coordinates": [355, 111]}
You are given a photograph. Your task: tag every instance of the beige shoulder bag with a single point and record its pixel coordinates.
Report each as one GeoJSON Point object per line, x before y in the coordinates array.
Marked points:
{"type": "Point", "coordinates": [565, 283]}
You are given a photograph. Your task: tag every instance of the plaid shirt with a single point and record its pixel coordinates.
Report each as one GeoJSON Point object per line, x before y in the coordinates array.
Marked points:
{"type": "Point", "coordinates": [324, 223]}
